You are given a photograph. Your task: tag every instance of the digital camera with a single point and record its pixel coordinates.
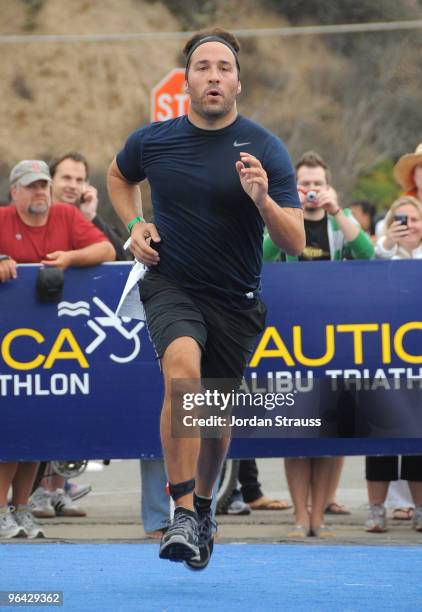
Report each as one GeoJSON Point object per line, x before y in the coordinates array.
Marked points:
{"type": "Point", "coordinates": [311, 196]}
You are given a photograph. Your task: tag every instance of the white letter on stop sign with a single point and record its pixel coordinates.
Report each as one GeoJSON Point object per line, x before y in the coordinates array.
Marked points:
{"type": "Point", "coordinates": [181, 103]}
{"type": "Point", "coordinates": [164, 104]}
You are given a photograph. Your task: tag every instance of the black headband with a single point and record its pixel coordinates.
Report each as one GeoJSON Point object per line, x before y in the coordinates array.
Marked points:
{"type": "Point", "coordinates": [207, 39]}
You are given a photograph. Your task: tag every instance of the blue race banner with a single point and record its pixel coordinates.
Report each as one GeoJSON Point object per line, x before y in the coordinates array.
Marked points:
{"type": "Point", "coordinates": [77, 382]}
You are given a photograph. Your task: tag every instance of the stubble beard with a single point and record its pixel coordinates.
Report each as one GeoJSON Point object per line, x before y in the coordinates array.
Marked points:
{"type": "Point", "coordinates": [212, 113]}
{"type": "Point", "coordinates": [38, 209]}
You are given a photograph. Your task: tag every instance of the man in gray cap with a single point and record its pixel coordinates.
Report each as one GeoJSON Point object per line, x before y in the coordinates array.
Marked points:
{"type": "Point", "coordinates": [35, 231]}
{"type": "Point", "coordinates": [66, 238]}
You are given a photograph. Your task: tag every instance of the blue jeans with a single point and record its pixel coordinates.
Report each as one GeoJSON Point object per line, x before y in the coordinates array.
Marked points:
{"type": "Point", "coordinates": [155, 503]}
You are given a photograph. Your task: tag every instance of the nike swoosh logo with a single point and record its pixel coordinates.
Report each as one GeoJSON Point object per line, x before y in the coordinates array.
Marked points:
{"type": "Point", "coordinates": [240, 144]}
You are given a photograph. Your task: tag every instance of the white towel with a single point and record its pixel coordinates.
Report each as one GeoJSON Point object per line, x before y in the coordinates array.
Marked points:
{"type": "Point", "coordinates": [130, 304]}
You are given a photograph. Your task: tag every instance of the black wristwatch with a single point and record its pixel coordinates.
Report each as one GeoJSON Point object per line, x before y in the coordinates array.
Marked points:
{"type": "Point", "coordinates": [4, 257]}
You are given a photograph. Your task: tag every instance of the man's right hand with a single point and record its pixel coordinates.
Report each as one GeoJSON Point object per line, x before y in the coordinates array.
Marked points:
{"type": "Point", "coordinates": [141, 235]}
{"type": "Point", "coordinates": [7, 270]}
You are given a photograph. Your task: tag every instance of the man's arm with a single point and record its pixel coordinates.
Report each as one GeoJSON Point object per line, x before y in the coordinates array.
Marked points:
{"type": "Point", "coordinates": [127, 202]}
{"type": "Point", "coordinates": [91, 255]}
{"type": "Point", "coordinates": [285, 225]}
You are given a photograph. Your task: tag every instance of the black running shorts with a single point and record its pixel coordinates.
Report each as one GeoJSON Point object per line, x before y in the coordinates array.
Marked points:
{"type": "Point", "coordinates": [226, 335]}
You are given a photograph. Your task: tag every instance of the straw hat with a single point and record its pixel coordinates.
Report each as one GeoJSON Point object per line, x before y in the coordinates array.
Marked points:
{"type": "Point", "coordinates": [403, 170]}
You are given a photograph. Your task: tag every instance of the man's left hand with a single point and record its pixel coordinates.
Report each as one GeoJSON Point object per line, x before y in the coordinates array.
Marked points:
{"type": "Point", "coordinates": [253, 178]}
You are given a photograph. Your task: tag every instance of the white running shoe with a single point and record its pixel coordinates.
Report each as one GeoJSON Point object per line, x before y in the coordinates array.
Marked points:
{"type": "Point", "coordinates": [417, 519]}
{"type": "Point", "coordinates": [64, 506]}
{"type": "Point", "coordinates": [41, 506]}
{"type": "Point", "coordinates": [76, 491]}
{"type": "Point", "coordinates": [376, 521]}
{"type": "Point", "coordinates": [8, 525]}
{"type": "Point", "coordinates": [23, 517]}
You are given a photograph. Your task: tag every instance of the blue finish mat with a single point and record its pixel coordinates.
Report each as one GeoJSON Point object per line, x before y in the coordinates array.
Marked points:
{"type": "Point", "coordinates": [240, 577]}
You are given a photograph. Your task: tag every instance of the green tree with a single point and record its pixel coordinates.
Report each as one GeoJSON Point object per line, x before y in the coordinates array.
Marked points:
{"type": "Point", "coordinates": [377, 186]}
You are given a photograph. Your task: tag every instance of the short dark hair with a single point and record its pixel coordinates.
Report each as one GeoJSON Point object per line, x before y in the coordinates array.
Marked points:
{"type": "Point", "coordinates": [225, 35]}
{"type": "Point", "coordinates": [313, 160]}
{"type": "Point", "coordinates": [77, 157]}
{"type": "Point", "coordinates": [367, 207]}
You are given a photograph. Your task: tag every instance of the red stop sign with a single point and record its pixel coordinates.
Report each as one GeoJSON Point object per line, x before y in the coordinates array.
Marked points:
{"type": "Point", "coordinates": [168, 98]}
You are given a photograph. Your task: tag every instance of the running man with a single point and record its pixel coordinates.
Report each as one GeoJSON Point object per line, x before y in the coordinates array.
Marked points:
{"type": "Point", "coordinates": [216, 179]}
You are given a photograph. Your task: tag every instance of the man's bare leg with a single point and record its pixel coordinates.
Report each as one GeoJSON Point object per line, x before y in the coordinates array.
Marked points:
{"type": "Point", "coordinates": [181, 360]}
{"type": "Point", "coordinates": [212, 454]}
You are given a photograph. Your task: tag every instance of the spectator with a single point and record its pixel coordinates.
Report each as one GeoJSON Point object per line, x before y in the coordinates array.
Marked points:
{"type": "Point", "coordinates": [399, 498]}
{"type": "Point", "coordinates": [70, 184]}
{"type": "Point", "coordinates": [408, 173]}
{"type": "Point", "coordinates": [380, 471]}
{"type": "Point", "coordinates": [332, 233]}
{"type": "Point", "coordinates": [402, 239]}
{"type": "Point", "coordinates": [35, 231]}
{"type": "Point", "coordinates": [364, 212]}
{"type": "Point", "coordinates": [155, 503]}
{"type": "Point", "coordinates": [251, 497]}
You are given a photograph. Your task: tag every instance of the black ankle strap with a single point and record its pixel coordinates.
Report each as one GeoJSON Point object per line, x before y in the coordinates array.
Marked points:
{"type": "Point", "coordinates": [181, 488]}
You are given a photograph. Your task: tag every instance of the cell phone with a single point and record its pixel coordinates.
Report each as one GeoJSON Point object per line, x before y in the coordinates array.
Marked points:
{"type": "Point", "coordinates": [401, 218]}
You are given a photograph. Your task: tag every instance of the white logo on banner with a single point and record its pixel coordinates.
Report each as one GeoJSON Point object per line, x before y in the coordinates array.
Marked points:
{"type": "Point", "coordinates": [102, 323]}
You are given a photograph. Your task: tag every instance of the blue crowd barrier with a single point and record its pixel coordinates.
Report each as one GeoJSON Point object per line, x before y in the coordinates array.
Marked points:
{"type": "Point", "coordinates": [76, 382]}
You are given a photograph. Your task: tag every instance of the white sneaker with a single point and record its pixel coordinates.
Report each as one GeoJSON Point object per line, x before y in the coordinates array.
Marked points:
{"type": "Point", "coordinates": [64, 506]}
{"type": "Point", "coordinates": [76, 491]}
{"type": "Point", "coordinates": [376, 521]}
{"type": "Point", "coordinates": [41, 505]}
{"type": "Point", "coordinates": [24, 519]}
{"type": "Point", "coordinates": [417, 519]}
{"type": "Point", "coordinates": [8, 525]}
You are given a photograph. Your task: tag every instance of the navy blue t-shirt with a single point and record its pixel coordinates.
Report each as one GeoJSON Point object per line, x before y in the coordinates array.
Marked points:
{"type": "Point", "coordinates": [211, 231]}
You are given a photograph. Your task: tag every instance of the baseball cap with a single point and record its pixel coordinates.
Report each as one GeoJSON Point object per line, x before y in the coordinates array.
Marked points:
{"type": "Point", "coordinates": [28, 171]}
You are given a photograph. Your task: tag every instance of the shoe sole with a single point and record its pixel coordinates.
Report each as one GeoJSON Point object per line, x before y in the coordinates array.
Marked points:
{"type": "Point", "coordinates": [21, 533]}
{"type": "Point", "coordinates": [38, 535]}
{"type": "Point", "coordinates": [205, 552]}
{"type": "Point", "coordinates": [178, 550]}
{"type": "Point", "coordinates": [71, 514]}
{"type": "Point", "coordinates": [80, 495]}
{"type": "Point", "coordinates": [43, 515]}
{"type": "Point", "coordinates": [376, 530]}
